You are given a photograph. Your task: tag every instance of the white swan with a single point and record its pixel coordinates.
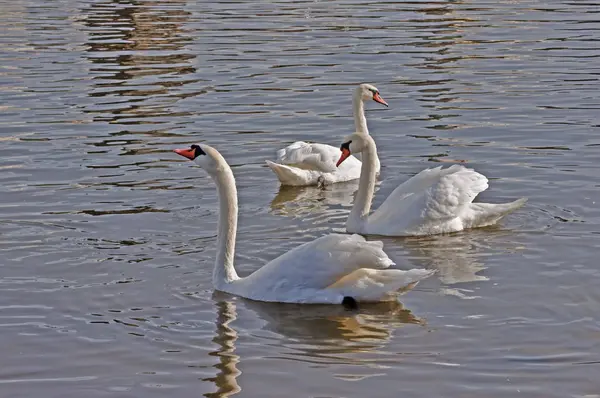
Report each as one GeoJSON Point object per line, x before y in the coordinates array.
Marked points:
{"type": "Point", "coordinates": [432, 202]}
{"type": "Point", "coordinates": [332, 269]}
{"type": "Point", "coordinates": [303, 163]}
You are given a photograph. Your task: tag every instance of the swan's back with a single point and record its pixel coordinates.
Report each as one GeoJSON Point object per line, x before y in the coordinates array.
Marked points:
{"type": "Point", "coordinates": [328, 269]}
{"type": "Point", "coordinates": [314, 156]}
{"type": "Point", "coordinates": [313, 267]}
{"type": "Point", "coordinates": [434, 201]}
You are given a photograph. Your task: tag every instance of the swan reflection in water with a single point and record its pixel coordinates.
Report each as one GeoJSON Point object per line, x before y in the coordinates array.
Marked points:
{"type": "Point", "coordinates": [458, 258]}
{"type": "Point", "coordinates": [317, 333]}
{"type": "Point", "coordinates": [332, 201]}
{"type": "Point", "coordinates": [225, 337]}
{"type": "Point", "coordinates": [300, 201]}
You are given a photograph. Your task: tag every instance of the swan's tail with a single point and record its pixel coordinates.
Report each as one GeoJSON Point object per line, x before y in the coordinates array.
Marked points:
{"type": "Point", "coordinates": [485, 214]}
{"type": "Point", "coordinates": [374, 285]}
{"type": "Point", "coordinates": [289, 175]}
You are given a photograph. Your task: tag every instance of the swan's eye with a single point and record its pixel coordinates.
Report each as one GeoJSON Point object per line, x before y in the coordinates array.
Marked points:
{"type": "Point", "coordinates": [197, 150]}
{"type": "Point", "coordinates": [346, 146]}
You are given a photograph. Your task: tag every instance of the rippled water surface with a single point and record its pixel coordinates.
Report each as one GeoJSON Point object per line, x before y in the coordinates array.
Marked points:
{"type": "Point", "coordinates": [107, 238]}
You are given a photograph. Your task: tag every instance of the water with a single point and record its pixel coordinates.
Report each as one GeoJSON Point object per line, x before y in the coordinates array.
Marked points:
{"type": "Point", "coordinates": [107, 238]}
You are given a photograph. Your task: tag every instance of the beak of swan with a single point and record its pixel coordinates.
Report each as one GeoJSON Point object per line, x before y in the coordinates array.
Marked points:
{"type": "Point", "coordinates": [188, 153]}
{"type": "Point", "coordinates": [377, 98]}
{"type": "Point", "coordinates": [345, 154]}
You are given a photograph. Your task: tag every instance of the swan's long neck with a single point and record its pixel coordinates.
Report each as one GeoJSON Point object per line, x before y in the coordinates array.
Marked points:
{"type": "Point", "coordinates": [358, 109]}
{"type": "Point", "coordinates": [366, 187]}
{"type": "Point", "coordinates": [224, 272]}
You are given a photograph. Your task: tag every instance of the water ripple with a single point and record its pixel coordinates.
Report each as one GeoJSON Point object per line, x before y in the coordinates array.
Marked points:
{"type": "Point", "coordinates": [107, 239]}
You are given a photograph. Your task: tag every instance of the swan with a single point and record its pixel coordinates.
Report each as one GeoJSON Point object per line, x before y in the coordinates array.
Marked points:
{"type": "Point", "coordinates": [434, 201]}
{"type": "Point", "coordinates": [303, 163]}
{"type": "Point", "coordinates": [333, 269]}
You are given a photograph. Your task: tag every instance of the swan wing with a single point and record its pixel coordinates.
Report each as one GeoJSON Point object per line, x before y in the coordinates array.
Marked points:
{"type": "Point", "coordinates": [374, 285]}
{"type": "Point", "coordinates": [429, 200]}
{"type": "Point", "coordinates": [320, 263]}
{"type": "Point", "coordinates": [313, 156]}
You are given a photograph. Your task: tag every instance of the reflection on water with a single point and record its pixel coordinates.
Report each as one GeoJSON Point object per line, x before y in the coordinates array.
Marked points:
{"type": "Point", "coordinates": [457, 257]}
{"type": "Point", "coordinates": [225, 337]}
{"type": "Point", "coordinates": [370, 326]}
{"type": "Point", "coordinates": [313, 333]}
{"type": "Point", "coordinates": [139, 59]}
{"type": "Point", "coordinates": [98, 222]}
{"type": "Point", "coordinates": [142, 68]}
{"type": "Point", "coordinates": [300, 201]}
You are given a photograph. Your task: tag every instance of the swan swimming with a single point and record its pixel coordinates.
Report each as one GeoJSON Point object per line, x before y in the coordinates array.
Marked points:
{"type": "Point", "coordinates": [332, 269]}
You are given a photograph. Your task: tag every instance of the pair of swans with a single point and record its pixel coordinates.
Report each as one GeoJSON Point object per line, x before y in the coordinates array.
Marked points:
{"type": "Point", "coordinates": [347, 269]}
{"type": "Point", "coordinates": [432, 202]}
{"type": "Point", "coordinates": [303, 164]}
{"type": "Point", "coordinates": [332, 269]}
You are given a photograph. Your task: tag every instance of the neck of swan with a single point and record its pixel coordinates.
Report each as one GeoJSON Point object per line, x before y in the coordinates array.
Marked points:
{"type": "Point", "coordinates": [366, 187]}
{"type": "Point", "coordinates": [224, 272]}
{"type": "Point", "coordinates": [358, 109]}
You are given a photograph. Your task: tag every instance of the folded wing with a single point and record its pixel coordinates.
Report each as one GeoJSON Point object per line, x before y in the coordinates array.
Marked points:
{"type": "Point", "coordinates": [321, 263]}
{"type": "Point", "coordinates": [432, 199]}
{"type": "Point", "coordinates": [312, 156]}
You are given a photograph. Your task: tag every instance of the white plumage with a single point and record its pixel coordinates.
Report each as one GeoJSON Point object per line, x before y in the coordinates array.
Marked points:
{"type": "Point", "coordinates": [303, 163]}
{"type": "Point", "coordinates": [432, 202]}
{"type": "Point", "coordinates": [326, 270]}
{"type": "Point", "coordinates": [437, 201]}
{"type": "Point", "coordinates": [323, 271]}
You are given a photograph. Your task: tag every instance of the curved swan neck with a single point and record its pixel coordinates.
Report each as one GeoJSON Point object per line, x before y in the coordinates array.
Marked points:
{"type": "Point", "coordinates": [366, 187]}
{"type": "Point", "coordinates": [224, 272]}
{"type": "Point", "coordinates": [358, 110]}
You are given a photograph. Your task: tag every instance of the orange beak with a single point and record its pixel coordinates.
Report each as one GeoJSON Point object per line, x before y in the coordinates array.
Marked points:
{"type": "Point", "coordinates": [188, 153]}
{"type": "Point", "coordinates": [377, 98]}
{"type": "Point", "coordinates": [344, 156]}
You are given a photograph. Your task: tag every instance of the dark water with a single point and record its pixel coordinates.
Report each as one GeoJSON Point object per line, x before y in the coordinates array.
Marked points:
{"type": "Point", "coordinates": [107, 238]}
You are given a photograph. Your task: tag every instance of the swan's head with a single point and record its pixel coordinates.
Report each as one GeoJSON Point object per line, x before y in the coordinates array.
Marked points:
{"type": "Point", "coordinates": [369, 92]}
{"type": "Point", "coordinates": [354, 143]}
{"type": "Point", "coordinates": [204, 156]}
